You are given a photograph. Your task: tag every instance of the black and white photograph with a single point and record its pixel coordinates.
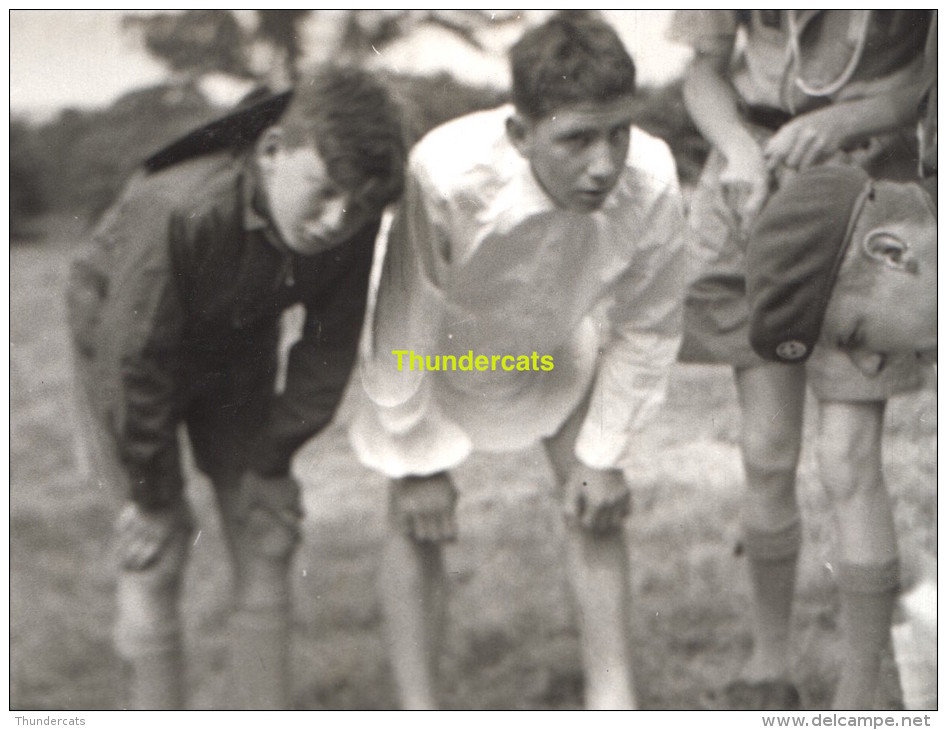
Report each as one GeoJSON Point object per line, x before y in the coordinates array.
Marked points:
{"type": "Point", "coordinates": [472, 360]}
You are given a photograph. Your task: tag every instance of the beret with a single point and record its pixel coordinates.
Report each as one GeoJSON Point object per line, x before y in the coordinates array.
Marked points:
{"type": "Point", "coordinates": [254, 113]}
{"type": "Point", "coordinates": [794, 251]}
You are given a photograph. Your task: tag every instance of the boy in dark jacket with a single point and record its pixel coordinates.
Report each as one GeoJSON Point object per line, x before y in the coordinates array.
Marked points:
{"type": "Point", "coordinates": [175, 320]}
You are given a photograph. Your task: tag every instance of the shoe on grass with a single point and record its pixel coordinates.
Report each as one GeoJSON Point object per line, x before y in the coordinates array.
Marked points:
{"type": "Point", "coordinates": [768, 695]}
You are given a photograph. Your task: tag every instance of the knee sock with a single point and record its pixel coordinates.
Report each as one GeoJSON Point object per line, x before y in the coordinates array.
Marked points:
{"type": "Point", "coordinates": [867, 595]}
{"type": "Point", "coordinates": [772, 557]}
{"type": "Point", "coordinates": [260, 658]}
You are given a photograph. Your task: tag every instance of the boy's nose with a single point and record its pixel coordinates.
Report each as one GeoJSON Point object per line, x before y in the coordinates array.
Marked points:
{"type": "Point", "coordinates": [333, 214]}
{"type": "Point", "coordinates": [603, 162]}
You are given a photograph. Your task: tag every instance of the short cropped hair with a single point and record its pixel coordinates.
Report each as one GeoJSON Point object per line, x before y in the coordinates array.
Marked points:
{"type": "Point", "coordinates": [355, 126]}
{"type": "Point", "coordinates": [573, 57]}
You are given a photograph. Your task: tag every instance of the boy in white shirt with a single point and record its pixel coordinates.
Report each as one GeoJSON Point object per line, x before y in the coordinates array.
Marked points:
{"type": "Point", "coordinates": [531, 290]}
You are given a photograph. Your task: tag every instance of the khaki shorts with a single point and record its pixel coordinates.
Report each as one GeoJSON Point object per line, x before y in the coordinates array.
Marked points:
{"type": "Point", "coordinates": [716, 313]}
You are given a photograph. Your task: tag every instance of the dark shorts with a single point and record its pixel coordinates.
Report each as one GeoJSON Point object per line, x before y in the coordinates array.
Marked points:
{"type": "Point", "coordinates": [716, 314]}
{"type": "Point", "coordinates": [225, 407]}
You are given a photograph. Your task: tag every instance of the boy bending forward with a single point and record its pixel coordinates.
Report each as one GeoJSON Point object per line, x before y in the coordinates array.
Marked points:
{"type": "Point", "coordinates": [175, 320]}
{"type": "Point", "coordinates": [550, 227]}
{"type": "Point", "coordinates": [807, 88]}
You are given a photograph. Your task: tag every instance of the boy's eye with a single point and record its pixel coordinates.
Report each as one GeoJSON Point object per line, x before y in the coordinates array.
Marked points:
{"type": "Point", "coordinates": [618, 135]}
{"type": "Point", "coordinates": [578, 139]}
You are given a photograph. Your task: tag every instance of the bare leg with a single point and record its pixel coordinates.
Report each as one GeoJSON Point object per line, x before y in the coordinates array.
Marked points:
{"type": "Point", "coordinates": [772, 400]}
{"type": "Point", "coordinates": [262, 547]}
{"type": "Point", "coordinates": [413, 588]}
{"type": "Point", "coordinates": [148, 630]}
{"type": "Point", "coordinates": [413, 584]}
{"type": "Point", "coordinates": [867, 568]}
{"type": "Point", "coordinates": [598, 571]}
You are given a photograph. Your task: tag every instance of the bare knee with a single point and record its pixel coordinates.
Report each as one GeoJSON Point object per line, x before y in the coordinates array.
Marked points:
{"type": "Point", "coordinates": [268, 532]}
{"type": "Point", "coordinates": [268, 543]}
{"type": "Point", "coordinates": [845, 475]}
{"type": "Point", "coordinates": [147, 601]}
{"type": "Point", "coordinates": [772, 400]}
{"type": "Point", "coordinates": [849, 449]}
{"type": "Point", "coordinates": [770, 456]}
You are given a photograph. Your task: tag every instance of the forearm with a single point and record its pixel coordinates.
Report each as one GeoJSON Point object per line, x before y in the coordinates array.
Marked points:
{"type": "Point", "coordinates": [815, 136]}
{"type": "Point", "coordinates": [713, 105]}
{"type": "Point", "coordinates": [863, 118]}
{"type": "Point", "coordinates": [629, 389]}
{"type": "Point", "coordinates": [148, 443]}
{"type": "Point", "coordinates": [645, 323]}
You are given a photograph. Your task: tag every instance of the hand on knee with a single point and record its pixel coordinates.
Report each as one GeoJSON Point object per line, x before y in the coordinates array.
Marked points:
{"type": "Point", "coordinates": [423, 507]}
{"type": "Point", "coordinates": [596, 500]}
{"type": "Point", "coordinates": [269, 515]}
{"type": "Point", "coordinates": [143, 537]}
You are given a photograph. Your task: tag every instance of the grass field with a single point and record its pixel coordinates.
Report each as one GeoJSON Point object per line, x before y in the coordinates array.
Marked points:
{"type": "Point", "coordinates": [512, 641]}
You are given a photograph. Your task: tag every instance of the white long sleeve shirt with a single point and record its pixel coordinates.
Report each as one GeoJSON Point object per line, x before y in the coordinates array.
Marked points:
{"type": "Point", "coordinates": [479, 259]}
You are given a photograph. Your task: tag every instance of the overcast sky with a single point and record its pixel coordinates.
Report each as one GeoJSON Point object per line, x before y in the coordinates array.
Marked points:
{"type": "Point", "coordinates": [79, 58]}
{"type": "Point", "coordinates": [82, 58]}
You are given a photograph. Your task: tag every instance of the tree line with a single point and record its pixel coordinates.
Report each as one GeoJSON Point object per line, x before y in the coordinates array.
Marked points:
{"type": "Point", "coordinates": [77, 162]}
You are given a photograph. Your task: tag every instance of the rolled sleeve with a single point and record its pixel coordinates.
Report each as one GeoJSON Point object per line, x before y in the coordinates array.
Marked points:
{"type": "Point", "coordinates": [406, 311]}
{"type": "Point", "coordinates": [144, 322]}
{"type": "Point", "coordinates": [398, 430]}
{"type": "Point", "coordinates": [645, 322]}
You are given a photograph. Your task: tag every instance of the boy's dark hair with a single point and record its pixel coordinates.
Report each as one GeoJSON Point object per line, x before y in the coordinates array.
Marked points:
{"type": "Point", "coordinates": [573, 57]}
{"type": "Point", "coordinates": [356, 127]}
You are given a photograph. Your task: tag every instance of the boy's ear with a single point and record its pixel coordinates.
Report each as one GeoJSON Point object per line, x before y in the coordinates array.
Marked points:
{"type": "Point", "coordinates": [890, 250]}
{"type": "Point", "coordinates": [269, 143]}
{"type": "Point", "coordinates": [869, 362]}
{"type": "Point", "coordinates": [517, 129]}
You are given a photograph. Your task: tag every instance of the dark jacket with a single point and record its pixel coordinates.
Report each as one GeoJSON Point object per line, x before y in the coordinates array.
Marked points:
{"type": "Point", "coordinates": [187, 275]}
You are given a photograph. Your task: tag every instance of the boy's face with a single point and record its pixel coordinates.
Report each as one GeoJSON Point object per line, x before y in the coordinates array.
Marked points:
{"type": "Point", "coordinates": [311, 212]}
{"type": "Point", "coordinates": [577, 153]}
{"type": "Point", "coordinates": [896, 251]}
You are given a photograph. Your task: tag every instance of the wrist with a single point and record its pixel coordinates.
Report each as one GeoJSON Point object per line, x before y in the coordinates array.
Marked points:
{"type": "Point", "coordinates": [846, 128]}
{"type": "Point", "coordinates": [743, 149]}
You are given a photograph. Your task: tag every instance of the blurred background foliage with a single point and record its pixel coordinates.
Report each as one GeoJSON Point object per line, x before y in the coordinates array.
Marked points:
{"type": "Point", "coordinates": [75, 163]}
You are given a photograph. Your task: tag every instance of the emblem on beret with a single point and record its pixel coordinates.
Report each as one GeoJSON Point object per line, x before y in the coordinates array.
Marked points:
{"type": "Point", "coordinates": [791, 350]}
